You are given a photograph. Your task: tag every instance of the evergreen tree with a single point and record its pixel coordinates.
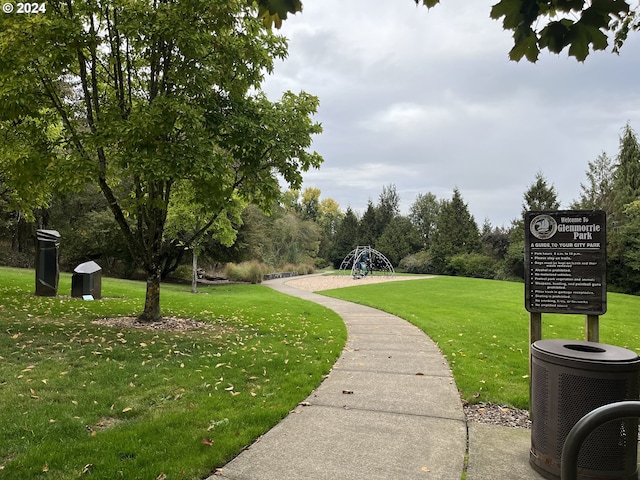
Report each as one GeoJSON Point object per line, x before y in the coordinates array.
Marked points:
{"type": "Point", "coordinates": [387, 209]}
{"type": "Point", "coordinates": [624, 222]}
{"type": "Point", "coordinates": [627, 173]}
{"type": "Point", "coordinates": [597, 194]}
{"type": "Point", "coordinates": [423, 214]}
{"type": "Point", "coordinates": [346, 238]}
{"type": "Point", "coordinates": [456, 233]}
{"type": "Point", "coordinates": [367, 226]}
{"type": "Point", "coordinates": [398, 240]}
{"type": "Point", "coordinates": [540, 196]}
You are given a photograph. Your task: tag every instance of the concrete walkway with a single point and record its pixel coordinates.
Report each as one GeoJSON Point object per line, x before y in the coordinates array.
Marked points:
{"type": "Point", "coordinates": [389, 410]}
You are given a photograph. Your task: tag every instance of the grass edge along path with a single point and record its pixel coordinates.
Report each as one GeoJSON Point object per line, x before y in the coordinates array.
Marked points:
{"type": "Point", "coordinates": [79, 399]}
{"type": "Point", "coordinates": [482, 328]}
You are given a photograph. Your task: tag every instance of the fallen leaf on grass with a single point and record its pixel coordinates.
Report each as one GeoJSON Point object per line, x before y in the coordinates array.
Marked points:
{"type": "Point", "coordinates": [206, 441]}
{"type": "Point", "coordinates": [127, 409]}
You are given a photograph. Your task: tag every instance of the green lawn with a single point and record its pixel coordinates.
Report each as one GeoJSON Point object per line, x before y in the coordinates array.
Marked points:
{"type": "Point", "coordinates": [79, 399]}
{"type": "Point", "coordinates": [482, 328]}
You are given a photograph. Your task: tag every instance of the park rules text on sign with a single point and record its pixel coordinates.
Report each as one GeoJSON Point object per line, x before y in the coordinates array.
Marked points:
{"type": "Point", "coordinates": [565, 262]}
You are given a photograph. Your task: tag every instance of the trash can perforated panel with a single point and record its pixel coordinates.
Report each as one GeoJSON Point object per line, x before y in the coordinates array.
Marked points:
{"type": "Point", "coordinates": [568, 383]}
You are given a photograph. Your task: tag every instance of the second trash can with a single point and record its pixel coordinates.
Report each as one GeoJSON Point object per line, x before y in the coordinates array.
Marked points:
{"type": "Point", "coordinates": [570, 378]}
{"type": "Point", "coordinates": [87, 280]}
{"type": "Point", "coordinates": [47, 270]}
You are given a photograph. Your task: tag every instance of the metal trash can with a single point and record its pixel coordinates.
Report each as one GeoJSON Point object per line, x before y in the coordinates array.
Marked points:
{"type": "Point", "coordinates": [47, 270]}
{"type": "Point", "coordinates": [87, 280]}
{"type": "Point", "coordinates": [570, 378]}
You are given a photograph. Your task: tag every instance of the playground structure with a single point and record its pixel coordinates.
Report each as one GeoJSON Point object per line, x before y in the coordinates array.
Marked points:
{"type": "Point", "coordinates": [364, 260]}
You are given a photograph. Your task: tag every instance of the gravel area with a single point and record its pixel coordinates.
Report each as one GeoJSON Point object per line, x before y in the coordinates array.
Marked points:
{"type": "Point", "coordinates": [314, 283]}
{"type": "Point", "coordinates": [492, 414]}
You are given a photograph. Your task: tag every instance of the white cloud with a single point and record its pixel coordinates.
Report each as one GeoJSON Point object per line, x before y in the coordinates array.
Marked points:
{"type": "Point", "coordinates": [428, 100]}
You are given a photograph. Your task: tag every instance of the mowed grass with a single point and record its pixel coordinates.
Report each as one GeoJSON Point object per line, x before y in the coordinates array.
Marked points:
{"type": "Point", "coordinates": [84, 400]}
{"type": "Point", "coordinates": [482, 328]}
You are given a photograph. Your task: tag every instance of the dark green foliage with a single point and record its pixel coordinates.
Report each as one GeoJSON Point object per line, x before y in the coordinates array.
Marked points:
{"type": "Point", "coordinates": [495, 242]}
{"type": "Point", "coordinates": [423, 214]}
{"type": "Point", "coordinates": [476, 265]}
{"type": "Point", "coordinates": [398, 240]}
{"type": "Point", "coordinates": [597, 194]}
{"type": "Point", "coordinates": [366, 233]}
{"type": "Point", "coordinates": [346, 238]}
{"type": "Point", "coordinates": [386, 210]}
{"type": "Point", "coordinates": [456, 233]}
{"type": "Point", "coordinates": [419, 262]}
{"type": "Point", "coordinates": [540, 196]}
{"type": "Point", "coordinates": [624, 221]}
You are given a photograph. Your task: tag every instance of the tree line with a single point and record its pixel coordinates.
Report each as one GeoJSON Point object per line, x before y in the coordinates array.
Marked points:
{"type": "Point", "coordinates": [438, 236]}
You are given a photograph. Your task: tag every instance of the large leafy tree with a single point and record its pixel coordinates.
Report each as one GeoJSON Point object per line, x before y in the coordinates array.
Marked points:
{"type": "Point", "coordinates": [137, 96]}
{"type": "Point", "coordinates": [553, 25]}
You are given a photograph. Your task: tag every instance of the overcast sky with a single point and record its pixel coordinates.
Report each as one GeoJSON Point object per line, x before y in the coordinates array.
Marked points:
{"type": "Point", "coordinates": [428, 100]}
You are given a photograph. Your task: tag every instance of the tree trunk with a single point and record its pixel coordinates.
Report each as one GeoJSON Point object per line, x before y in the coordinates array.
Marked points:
{"type": "Point", "coordinates": [194, 273]}
{"type": "Point", "coordinates": [152, 300]}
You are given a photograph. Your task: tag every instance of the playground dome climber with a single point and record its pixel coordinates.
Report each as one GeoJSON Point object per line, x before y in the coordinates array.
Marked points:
{"type": "Point", "coordinates": [365, 260]}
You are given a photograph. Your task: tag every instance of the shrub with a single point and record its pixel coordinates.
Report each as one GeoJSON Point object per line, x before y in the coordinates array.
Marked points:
{"type": "Point", "coordinates": [305, 269]}
{"type": "Point", "coordinates": [473, 265]}
{"type": "Point", "coordinates": [183, 272]}
{"type": "Point", "coordinates": [417, 263]}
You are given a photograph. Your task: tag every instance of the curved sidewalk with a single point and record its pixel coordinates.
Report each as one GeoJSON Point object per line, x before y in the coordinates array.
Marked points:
{"type": "Point", "coordinates": [389, 409]}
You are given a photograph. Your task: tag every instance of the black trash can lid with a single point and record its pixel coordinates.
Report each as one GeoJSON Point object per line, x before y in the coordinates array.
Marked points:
{"type": "Point", "coordinates": [582, 350]}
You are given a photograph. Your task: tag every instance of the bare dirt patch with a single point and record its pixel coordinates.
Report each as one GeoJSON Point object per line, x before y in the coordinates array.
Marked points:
{"type": "Point", "coordinates": [314, 283]}
{"type": "Point", "coordinates": [167, 324]}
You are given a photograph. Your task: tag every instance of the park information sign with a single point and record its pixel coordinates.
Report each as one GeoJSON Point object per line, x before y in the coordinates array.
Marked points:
{"type": "Point", "coordinates": [565, 262]}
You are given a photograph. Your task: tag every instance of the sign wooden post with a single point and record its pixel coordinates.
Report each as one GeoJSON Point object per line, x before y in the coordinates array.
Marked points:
{"type": "Point", "coordinates": [592, 328]}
